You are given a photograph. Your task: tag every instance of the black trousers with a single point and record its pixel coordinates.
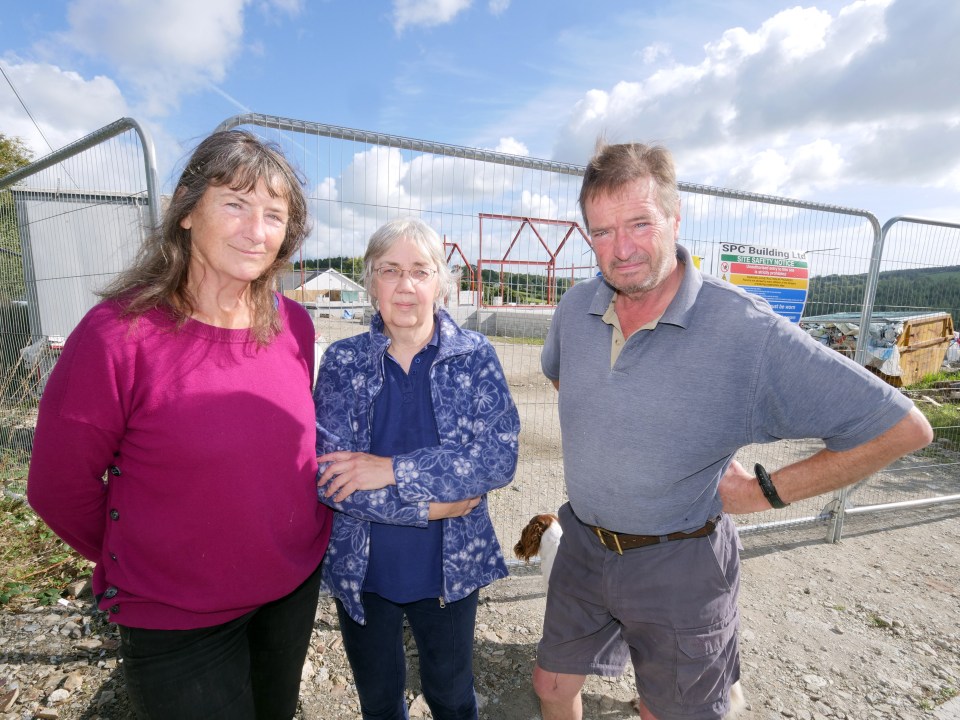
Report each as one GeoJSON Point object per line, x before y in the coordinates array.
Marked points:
{"type": "Point", "coordinates": [246, 669]}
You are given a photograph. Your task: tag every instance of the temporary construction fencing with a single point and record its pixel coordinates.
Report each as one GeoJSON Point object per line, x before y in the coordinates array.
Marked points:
{"type": "Point", "coordinates": [515, 238]}
{"type": "Point", "coordinates": [909, 251]}
{"type": "Point", "coordinates": [69, 223]}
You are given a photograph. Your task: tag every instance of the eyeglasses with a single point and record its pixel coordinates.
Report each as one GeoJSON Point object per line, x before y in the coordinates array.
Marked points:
{"type": "Point", "coordinates": [392, 275]}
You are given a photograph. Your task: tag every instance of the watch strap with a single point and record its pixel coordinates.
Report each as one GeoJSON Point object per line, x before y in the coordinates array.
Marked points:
{"type": "Point", "coordinates": [768, 488]}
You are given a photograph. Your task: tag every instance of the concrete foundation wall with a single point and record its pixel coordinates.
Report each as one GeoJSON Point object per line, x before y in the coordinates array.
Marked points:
{"type": "Point", "coordinates": [505, 323]}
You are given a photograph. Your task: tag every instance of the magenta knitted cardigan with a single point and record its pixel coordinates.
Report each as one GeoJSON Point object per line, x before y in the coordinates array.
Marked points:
{"type": "Point", "coordinates": [209, 508]}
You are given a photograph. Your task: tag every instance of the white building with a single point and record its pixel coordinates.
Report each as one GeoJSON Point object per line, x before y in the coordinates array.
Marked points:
{"type": "Point", "coordinates": [329, 288]}
{"type": "Point", "coordinates": [335, 287]}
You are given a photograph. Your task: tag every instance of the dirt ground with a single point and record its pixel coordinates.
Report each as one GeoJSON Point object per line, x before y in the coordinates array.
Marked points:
{"type": "Point", "coordinates": [867, 628]}
{"type": "Point", "coordinates": [863, 629]}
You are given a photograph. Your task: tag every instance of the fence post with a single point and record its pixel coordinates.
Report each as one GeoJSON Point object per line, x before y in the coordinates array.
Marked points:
{"type": "Point", "coordinates": [835, 528]}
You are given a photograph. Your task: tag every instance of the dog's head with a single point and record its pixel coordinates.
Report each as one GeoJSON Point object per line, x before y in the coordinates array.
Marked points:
{"type": "Point", "coordinates": [529, 544]}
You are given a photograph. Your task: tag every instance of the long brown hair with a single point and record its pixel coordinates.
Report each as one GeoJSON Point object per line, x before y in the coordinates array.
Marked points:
{"type": "Point", "coordinates": [158, 277]}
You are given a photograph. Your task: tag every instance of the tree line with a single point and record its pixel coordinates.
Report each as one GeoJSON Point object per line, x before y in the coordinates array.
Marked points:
{"type": "Point", "coordinates": [512, 287]}
{"type": "Point", "coordinates": [352, 267]}
{"type": "Point", "coordinates": [918, 290]}
{"type": "Point", "coordinates": [14, 154]}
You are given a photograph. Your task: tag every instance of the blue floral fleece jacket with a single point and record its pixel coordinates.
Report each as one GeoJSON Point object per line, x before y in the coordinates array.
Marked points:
{"type": "Point", "coordinates": [478, 426]}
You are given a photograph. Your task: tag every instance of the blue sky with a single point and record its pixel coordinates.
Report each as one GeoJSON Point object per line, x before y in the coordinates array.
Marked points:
{"type": "Point", "coordinates": [848, 102]}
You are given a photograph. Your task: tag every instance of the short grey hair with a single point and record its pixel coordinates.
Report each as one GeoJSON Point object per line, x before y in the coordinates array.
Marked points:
{"type": "Point", "coordinates": [420, 234]}
{"type": "Point", "coordinates": [613, 167]}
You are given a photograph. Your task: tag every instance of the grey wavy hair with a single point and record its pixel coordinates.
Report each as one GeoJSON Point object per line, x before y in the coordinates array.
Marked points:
{"type": "Point", "coordinates": [420, 234]}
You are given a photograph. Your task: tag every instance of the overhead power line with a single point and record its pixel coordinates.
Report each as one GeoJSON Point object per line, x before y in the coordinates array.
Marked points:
{"type": "Point", "coordinates": [25, 108]}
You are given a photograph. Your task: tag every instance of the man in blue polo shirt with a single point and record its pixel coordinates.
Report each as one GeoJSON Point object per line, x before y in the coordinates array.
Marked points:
{"type": "Point", "coordinates": [663, 374]}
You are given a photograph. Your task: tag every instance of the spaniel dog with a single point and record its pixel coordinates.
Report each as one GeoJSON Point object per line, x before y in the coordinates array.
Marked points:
{"type": "Point", "coordinates": [541, 537]}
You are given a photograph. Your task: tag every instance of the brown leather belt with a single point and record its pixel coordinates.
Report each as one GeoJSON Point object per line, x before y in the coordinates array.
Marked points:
{"type": "Point", "coordinates": [618, 542]}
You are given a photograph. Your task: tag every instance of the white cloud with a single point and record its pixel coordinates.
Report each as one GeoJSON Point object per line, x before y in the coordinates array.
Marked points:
{"type": "Point", "coordinates": [375, 178]}
{"type": "Point", "coordinates": [803, 102]}
{"type": "Point", "coordinates": [382, 183]}
{"type": "Point", "coordinates": [815, 165]}
{"type": "Point", "coordinates": [336, 231]}
{"type": "Point", "coordinates": [498, 7]}
{"type": "Point", "coordinates": [654, 52]}
{"type": "Point", "coordinates": [385, 177]}
{"type": "Point", "coordinates": [923, 153]}
{"type": "Point", "coordinates": [156, 53]}
{"type": "Point", "coordinates": [287, 7]}
{"type": "Point", "coordinates": [162, 48]}
{"type": "Point", "coordinates": [65, 105]}
{"type": "Point", "coordinates": [818, 164]}
{"type": "Point", "coordinates": [327, 189]}
{"type": "Point", "coordinates": [512, 146]}
{"type": "Point", "coordinates": [537, 205]}
{"type": "Point", "coordinates": [427, 13]}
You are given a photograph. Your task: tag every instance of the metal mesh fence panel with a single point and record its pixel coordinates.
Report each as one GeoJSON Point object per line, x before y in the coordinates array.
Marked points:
{"type": "Point", "coordinates": [356, 181]}
{"type": "Point", "coordinates": [514, 234]}
{"type": "Point", "coordinates": [514, 238]}
{"type": "Point", "coordinates": [69, 223]}
{"type": "Point", "coordinates": [916, 296]}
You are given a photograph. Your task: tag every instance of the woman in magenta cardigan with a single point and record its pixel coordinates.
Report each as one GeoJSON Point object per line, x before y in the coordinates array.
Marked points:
{"type": "Point", "coordinates": [175, 447]}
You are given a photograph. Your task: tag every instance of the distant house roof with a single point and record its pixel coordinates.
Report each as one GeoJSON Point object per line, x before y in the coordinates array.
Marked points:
{"type": "Point", "coordinates": [330, 279]}
{"type": "Point", "coordinates": [292, 279]}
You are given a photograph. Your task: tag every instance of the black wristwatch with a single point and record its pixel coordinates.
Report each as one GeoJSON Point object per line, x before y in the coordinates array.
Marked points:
{"type": "Point", "coordinates": [766, 485]}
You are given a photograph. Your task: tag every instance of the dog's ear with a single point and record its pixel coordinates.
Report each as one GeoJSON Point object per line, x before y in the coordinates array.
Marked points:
{"type": "Point", "coordinates": [530, 536]}
{"type": "Point", "coordinates": [522, 549]}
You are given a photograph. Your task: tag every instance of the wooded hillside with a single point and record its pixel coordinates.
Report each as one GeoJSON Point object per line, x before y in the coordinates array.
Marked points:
{"type": "Point", "coordinates": [921, 290]}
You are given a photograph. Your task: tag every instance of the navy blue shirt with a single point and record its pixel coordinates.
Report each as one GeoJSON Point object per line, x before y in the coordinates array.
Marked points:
{"type": "Point", "coordinates": [405, 562]}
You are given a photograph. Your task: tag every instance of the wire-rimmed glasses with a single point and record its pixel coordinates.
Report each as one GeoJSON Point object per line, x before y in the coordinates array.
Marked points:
{"type": "Point", "coordinates": [392, 274]}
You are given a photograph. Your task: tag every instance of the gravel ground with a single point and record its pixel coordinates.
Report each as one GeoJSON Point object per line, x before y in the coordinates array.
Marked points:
{"type": "Point", "coordinates": [868, 628]}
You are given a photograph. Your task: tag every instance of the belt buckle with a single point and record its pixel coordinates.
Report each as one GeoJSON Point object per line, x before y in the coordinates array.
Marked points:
{"type": "Point", "coordinates": [599, 531]}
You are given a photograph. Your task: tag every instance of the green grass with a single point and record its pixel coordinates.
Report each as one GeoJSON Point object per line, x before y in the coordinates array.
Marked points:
{"type": "Point", "coordinates": [945, 417]}
{"type": "Point", "coordinates": [516, 340]}
{"type": "Point", "coordinates": [34, 563]}
{"type": "Point", "coordinates": [943, 695]}
{"type": "Point", "coordinates": [928, 381]}
{"type": "Point", "coordinates": [945, 421]}
{"type": "Point", "coordinates": [13, 468]}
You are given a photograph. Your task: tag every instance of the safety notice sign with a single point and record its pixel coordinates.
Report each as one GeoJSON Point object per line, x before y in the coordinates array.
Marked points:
{"type": "Point", "coordinates": [779, 276]}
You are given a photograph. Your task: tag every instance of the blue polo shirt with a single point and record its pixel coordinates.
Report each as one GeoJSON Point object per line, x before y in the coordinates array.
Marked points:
{"type": "Point", "coordinates": [405, 562]}
{"type": "Point", "coordinates": [647, 439]}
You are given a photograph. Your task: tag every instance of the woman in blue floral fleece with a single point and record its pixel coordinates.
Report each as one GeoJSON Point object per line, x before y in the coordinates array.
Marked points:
{"type": "Point", "coordinates": [415, 424]}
